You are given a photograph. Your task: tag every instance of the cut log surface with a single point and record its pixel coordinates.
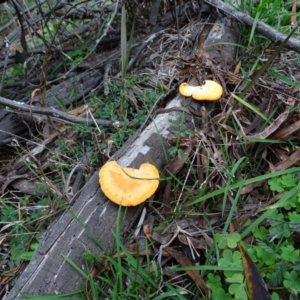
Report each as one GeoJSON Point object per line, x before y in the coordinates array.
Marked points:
{"type": "Point", "coordinates": [49, 272]}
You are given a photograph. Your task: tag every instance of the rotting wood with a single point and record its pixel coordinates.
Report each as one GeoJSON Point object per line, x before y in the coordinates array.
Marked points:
{"type": "Point", "coordinates": [48, 272]}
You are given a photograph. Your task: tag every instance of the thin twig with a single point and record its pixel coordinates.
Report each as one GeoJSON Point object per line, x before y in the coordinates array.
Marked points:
{"type": "Point", "coordinates": [105, 79]}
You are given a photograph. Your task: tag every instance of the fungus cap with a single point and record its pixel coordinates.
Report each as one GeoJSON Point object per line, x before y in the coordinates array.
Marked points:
{"type": "Point", "coordinates": [128, 186]}
{"type": "Point", "coordinates": [210, 91]}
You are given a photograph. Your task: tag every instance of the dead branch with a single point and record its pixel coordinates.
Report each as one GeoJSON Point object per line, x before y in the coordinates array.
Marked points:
{"type": "Point", "coordinates": [55, 113]}
{"type": "Point", "coordinates": [261, 27]}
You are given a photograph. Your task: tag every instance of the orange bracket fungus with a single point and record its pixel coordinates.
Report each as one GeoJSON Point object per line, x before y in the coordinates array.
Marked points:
{"type": "Point", "coordinates": [128, 186]}
{"type": "Point", "coordinates": [210, 91]}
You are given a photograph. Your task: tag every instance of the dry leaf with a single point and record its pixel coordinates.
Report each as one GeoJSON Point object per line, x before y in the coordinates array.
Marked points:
{"type": "Point", "coordinates": [162, 239]}
{"type": "Point", "coordinates": [185, 262]}
{"type": "Point", "coordinates": [256, 286]}
{"type": "Point", "coordinates": [35, 92]}
{"type": "Point", "coordinates": [133, 99]}
{"type": "Point", "coordinates": [79, 111]}
{"type": "Point", "coordinates": [237, 68]}
{"type": "Point", "coordinates": [197, 243]}
{"type": "Point", "coordinates": [291, 160]}
{"type": "Point", "coordinates": [249, 188]}
{"type": "Point", "coordinates": [273, 127]}
{"type": "Point", "coordinates": [285, 132]}
{"type": "Point", "coordinates": [147, 231]}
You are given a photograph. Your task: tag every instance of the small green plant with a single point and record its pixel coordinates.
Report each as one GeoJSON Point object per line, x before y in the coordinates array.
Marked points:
{"type": "Point", "coordinates": [274, 251]}
{"type": "Point", "coordinates": [215, 284]}
{"type": "Point", "coordinates": [180, 130]}
{"type": "Point", "coordinates": [73, 57]}
{"type": "Point", "coordinates": [234, 285]}
{"type": "Point", "coordinates": [229, 240]}
{"type": "Point", "coordinates": [19, 221]}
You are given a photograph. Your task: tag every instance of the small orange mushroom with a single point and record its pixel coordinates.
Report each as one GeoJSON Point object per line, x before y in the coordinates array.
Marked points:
{"type": "Point", "coordinates": [128, 186]}
{"type": "Point", "coordinates": [210, 91]}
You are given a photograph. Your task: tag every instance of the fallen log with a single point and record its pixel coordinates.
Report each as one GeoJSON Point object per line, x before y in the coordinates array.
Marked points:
{"type": "Point", "coordinates": [49, 272]}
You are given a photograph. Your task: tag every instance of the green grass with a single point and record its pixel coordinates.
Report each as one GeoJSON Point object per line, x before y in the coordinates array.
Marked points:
{"type": "Point", "coordinates": [22, 222]}
{"type": "Point", "coordinates": [275, 13]}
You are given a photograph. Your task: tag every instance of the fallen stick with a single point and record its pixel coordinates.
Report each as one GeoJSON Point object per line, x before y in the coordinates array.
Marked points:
{"type": "Point", "coordinates": [18, 107]}
{"type": "Point", "coordinates": [261, 27]}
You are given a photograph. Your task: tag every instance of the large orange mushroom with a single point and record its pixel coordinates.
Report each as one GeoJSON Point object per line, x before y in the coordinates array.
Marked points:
{"type": "Point", "coordinates": [128, 186]}
{"type": "Point", "coordinates": [210, 90]}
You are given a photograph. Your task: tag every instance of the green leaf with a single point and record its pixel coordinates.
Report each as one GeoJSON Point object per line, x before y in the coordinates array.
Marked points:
{"type": "Point", "coordinates": [34, 246]}
{"type": "Point", "coordinates": [238, 291]}
{"type": "Point", "coordinates": [229, 240]}
{"type": "Point", "coordinates": [276, 74]}
{"type": "Point", "coordinates": [292, 281]}
{"type": "Point", "coordinates": [236, 278]}
{"type": "Point", "coordinates": [266, 257]}
{"type": "Point", "coordinates": [180, 154]}
{"type": "Point", "coordinates": [27, 255]}
{"type": "Point", "coordinates": [233, 239]}
{"type": "Point", "coordinates": [275, 296]}
{"type": "Point", "coordinates": [279, 227]}
{"type": "Point", "coordinates": [221, 240]}
{"type": "Point", "coordinates": [244, 183]}
{"type": "Point", "coordinates": [213, 282]}
{"type": "Point", "coordinates": [288, 181]}
{"type": "Point", "coordinates": [231, 260]}
{"type": "Point", "coordinates": [237, 288]}
{"type": "Point", "coordinates": [275, 185]}
{"type": "Point", "coordinates": [276, 277]}
{"type": "Point", "coordinates": [220, 294]}
{"type": "Point", "coordinates": [260, 233]}
{"type": "Point", "coordinates": [294, 220]}
{"type": "Point", "coordinates": [290, 254]}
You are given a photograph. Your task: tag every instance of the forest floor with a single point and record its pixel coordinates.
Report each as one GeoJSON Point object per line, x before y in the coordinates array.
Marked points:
{"type": "Point", "coordinates": [231, 183]}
